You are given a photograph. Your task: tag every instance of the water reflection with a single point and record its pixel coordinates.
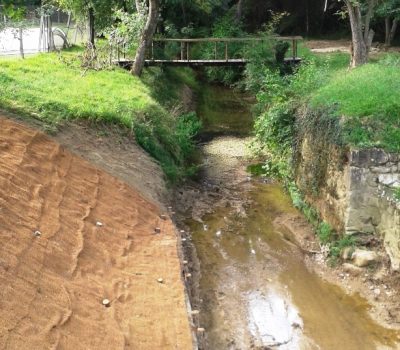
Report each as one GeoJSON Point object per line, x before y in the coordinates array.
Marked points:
{"type": "Point", "coordinates": [273, 320]}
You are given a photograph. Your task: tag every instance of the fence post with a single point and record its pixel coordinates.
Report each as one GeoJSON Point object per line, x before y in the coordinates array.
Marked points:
{"type": "Point", "coordinates": [215, 50]}
{"type": "Point", "coordinates": [182, 50]}
{"type": "Point", "coordinates": [293, 49]}
{"type": "Point", "coordinates": [188, 51]}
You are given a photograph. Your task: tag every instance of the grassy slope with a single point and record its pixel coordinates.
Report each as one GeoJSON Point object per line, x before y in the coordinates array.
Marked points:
{"type": "Point", "coordinates": [53, 88]}
{"type": "Point", "coordinates": [369, 99]}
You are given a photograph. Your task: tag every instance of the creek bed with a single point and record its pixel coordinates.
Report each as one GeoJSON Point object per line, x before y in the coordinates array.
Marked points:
{"type": "Point", "coordinates": [255, 290]}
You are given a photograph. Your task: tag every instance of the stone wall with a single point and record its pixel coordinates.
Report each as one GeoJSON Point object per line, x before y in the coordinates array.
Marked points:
{"type": "Point", "coordinates": [358, 195]}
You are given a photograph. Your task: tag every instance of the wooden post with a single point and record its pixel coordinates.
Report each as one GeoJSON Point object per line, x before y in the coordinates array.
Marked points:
{"type": "Point", "coordinates": [182, 50]}
{"type": "Point", "coordinates": [152, 50]}
{"type": "Point", "coordinates": [187, 51]}
{"type": "Point", "coordinates": [215, 50]}
{"type": "Point", "coordinates": [226, 50]}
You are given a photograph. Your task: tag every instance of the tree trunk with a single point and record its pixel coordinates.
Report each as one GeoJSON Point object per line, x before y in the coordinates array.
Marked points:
{"type": "Point", "coordinates": [368, 32]}
{"type": "Point", "coordinates": [21, 43]}
{"type": "Point", "coordinates": [91, 33]}
{"type": "Point", "coordinates": [184, 13]}
{"type": "Point", "coordinates": [390, 33]}
{"type": "Point", "coordinates": [387, 31]}
{"type": "Point", "coordinates": [239, 10]}
{"type": "Point", "coordinates": [147, 36]}
{"type": "Point", "coordinates": [359, 49]}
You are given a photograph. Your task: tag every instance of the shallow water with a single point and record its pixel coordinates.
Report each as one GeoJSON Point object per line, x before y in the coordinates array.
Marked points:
{"type": "Point", "coordinates": [255, 287]}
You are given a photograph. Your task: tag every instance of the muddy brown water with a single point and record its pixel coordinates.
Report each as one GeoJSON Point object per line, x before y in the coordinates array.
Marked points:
{"type": "Point", "coordinates": [255, 289]}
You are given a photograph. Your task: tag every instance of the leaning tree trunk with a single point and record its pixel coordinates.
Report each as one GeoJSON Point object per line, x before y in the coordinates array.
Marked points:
{"type": "Point", "coordinates": [359, 54]}
{"type": "Point", "coordinates": [147, 36]}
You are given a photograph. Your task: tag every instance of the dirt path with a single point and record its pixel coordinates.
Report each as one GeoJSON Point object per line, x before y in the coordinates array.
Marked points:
{"type": "Point", "coordinates": [72, 235]}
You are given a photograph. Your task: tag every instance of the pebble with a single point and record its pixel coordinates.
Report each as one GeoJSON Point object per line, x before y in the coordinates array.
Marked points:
{"type": "Point", "coordinates": [37, 233]}
{"type": "Point", "coordinates": [160, 280]}
{"type": "Point", "coordinates": [106, 302]}
{"type": "Point", "coordinates": [163, 217]}
{"type": "Point", "coordinates": [218, 233]}
{"type": "Point", "coordinates": [377, 291]}
{"type": "Point", "coordinates": [157, 230]}
{"type": "Point", "coordinates": [99, 224]}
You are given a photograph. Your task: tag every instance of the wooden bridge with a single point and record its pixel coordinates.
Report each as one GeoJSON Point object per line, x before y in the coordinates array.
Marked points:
{"type": "Point", "coordinates": [184, 56]}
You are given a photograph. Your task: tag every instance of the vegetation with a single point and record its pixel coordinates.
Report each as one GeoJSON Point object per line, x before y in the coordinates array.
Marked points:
{"type": "Point", "coordinates": [397, 194]}
{"type": "Point", "coordinates": [52, 88]}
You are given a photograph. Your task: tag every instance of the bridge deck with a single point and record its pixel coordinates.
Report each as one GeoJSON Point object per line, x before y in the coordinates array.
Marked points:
{"type": "Point", "coordinates": [197, 63]}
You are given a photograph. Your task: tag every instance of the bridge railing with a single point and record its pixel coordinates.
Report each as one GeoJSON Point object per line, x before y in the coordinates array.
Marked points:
{"type": "Point", "coordinates": [183, 46]}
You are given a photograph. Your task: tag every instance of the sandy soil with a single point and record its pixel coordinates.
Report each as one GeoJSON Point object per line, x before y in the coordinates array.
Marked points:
{"type": "Point", "coordinates": [325, 46]}
{"type": "Point", "coordinates": [94, 240]}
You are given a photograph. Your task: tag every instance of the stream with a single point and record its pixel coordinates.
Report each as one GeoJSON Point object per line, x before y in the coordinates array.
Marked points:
{"type": "Point", "coordinates": [251, 283]}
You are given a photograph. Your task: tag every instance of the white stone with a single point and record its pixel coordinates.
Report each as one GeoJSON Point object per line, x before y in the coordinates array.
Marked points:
{"type": "Point", "coordinates": [377, 291]}
{"type": "Point", "coordinates": [388, 179]}
{"type": "Point", "coordinates": [362, 258]}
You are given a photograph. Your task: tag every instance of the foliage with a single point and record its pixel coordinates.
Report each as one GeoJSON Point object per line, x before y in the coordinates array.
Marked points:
{"type": "Point", "coordinates": [103, 9]}
{"type": "Point", "coordinates": [324, 232]}
{"type": "Point", "coordinates": [397, 194]}
{"type": "Point", "coordinates": [224, 27]}
{"type": "Point", "coordinates": [45, 86]}
{"type": "Point", "coordinates": [126, 28]}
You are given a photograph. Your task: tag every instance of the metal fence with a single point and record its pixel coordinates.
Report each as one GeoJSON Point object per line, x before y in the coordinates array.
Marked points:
{"type": "Point", "coordinates": [38, 33]}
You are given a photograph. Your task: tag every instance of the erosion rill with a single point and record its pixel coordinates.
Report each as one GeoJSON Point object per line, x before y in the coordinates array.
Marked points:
{"type": "Point", "coordinates": [252, 283]}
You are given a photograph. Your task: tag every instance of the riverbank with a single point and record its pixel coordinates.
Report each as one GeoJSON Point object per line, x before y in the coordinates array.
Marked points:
{"type": "Point", "coordinates": [81, 250]}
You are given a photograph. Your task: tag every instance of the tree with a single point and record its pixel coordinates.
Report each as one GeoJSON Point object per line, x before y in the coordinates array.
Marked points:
{"type": "Point", "coordinates": [390, 11]}
{"type": "Point", "coordinates": [97, 13]}
{"type": "Point", "coordinates": [146, 37]}
{"type": "Point", "coordinates": [360, 13]}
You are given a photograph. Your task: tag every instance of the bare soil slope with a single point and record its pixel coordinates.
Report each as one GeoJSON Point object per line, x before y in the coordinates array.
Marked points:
{"type": "Point", "coordinates": [96, 241]}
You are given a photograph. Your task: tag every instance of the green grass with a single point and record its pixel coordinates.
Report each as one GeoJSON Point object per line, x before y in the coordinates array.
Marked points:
{"type": "Point", "coordinates": [47, 87]}
{"type": "Point", "coordinates": [369, 99]}
{"type": "Point", "coordinates": [54, 88]}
